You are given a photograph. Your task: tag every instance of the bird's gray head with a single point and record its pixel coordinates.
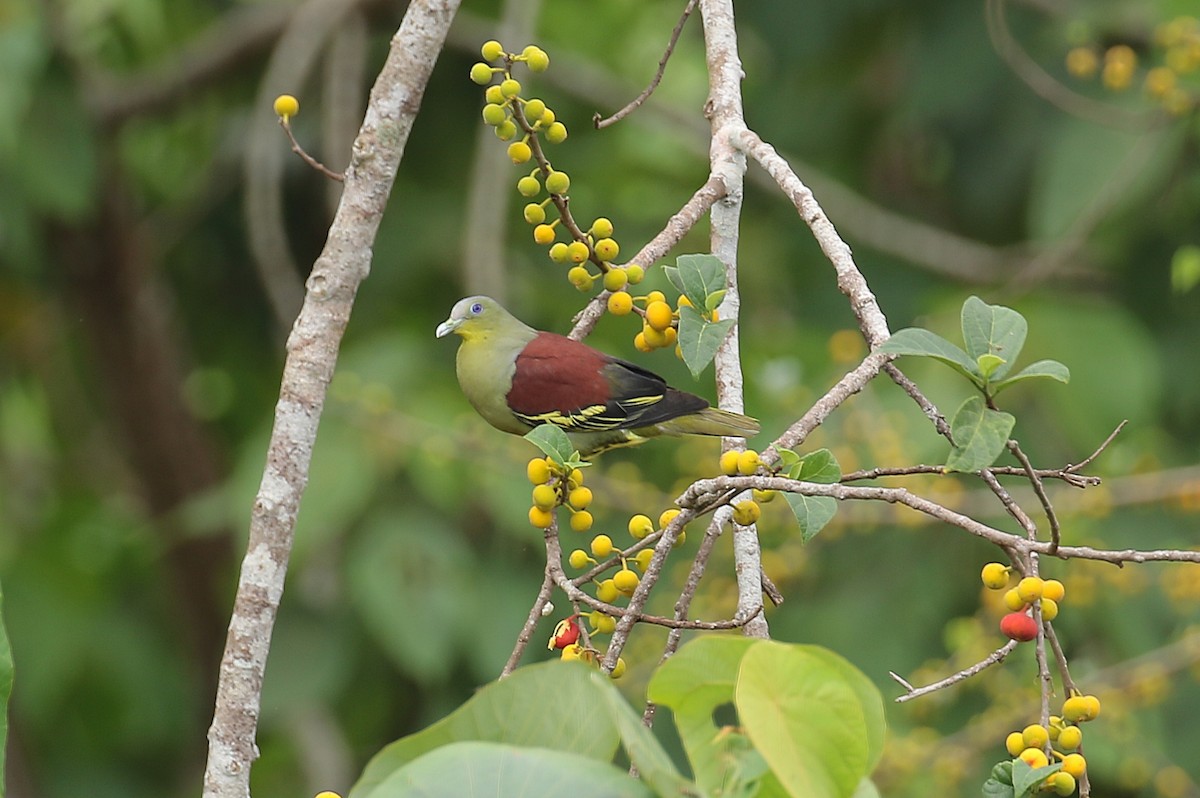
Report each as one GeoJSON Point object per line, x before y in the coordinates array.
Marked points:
{"type": "Point", "coordinates": [473, 316]}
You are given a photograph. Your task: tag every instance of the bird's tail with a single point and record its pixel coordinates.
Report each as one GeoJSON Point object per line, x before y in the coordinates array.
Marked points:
{"type": "Point", "coordinates": [711, 421]}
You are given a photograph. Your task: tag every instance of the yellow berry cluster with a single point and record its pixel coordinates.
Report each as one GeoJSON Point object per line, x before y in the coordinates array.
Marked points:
{"type": "Point", "coordinates": [626, 579]}
{"type": "Point", "coordinates": [1178, 45]}
{"type": "Point", "coordinates": [554, 486]}
{"type": "Point", "coordinates": [1060, 741]}
{"type": "Point", "coordinates": [660, 323]}
{"type": "Point", "coordinates": [745, 463]}
{"type": "Point", "coordinates": [511, 115]}
{"type": "Point", "coordinates": [1046, 593]}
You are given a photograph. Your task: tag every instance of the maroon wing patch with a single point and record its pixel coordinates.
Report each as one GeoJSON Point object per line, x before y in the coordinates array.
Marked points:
{"type": "Point", "coordinates": [555, 374]}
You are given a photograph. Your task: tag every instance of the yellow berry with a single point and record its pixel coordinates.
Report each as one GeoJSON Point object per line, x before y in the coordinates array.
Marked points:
{"type": "Point", "coordinates": [667, 517]}
{"type": "Point", "coordinates": [1013, 601]}
{"type": "Point", "coordinates": [602, 546]}
{"type": "Point", "coordinates": [538, 470]}
{"type": "Point", "coordinates": [481, 73]}
{"type": "Point", "coordinates": [602, 624]}
{"type": "Point", "coordinates": [327, 794]}
{"type": "Point", "coordinates": [542, 519]}
{"type": "Point", "coordinates": [607, 592]}
{"type": "Point", "coordinates": [1053, 590]}
{"type": "Point", "coordinates": [671, 336]}
{"type": "Point", "coordinates": [534, 213]}
{"type": "Point", "coordinates": [510, 88]}
{"type": "Point", "coordinates": [1034, 757]}
{"type": "Point", "coordinates": [654, 338]}
{"type": "Point", "coordinates": [581, 521]}
{"type": "Point", "coordinates": [578, 559]}
{"type": "Point", "coordinates": [559, 252]}
{"type": "Point", "coordinates": [729, 462]}
{"type": "Point", "coordinates": [636, 273]}
{"type": "Point", "coordinates": [763, 496]}
{"type": "Point", "coordinates": [683, 302]}
{"type": "Point", "coordinates": [640, 526]}
{"type": "Point", "coordinates": [1014, 743]}
{"type": "Point", "coordinates": [493, 95]}
{"type": "Point", "coordinates": [577, 251]}
{"type": "Point", "coordinates": [1035, 735]}
{"type": "Point", "coordinates": [571, 653]}
{"type": "Point", "coordinates": [1070, 738]}
{"type": "Point", "coordinates": [607, 249]}
{"type": "Point", "coordinates": [528, 186]}
{"type": "Point", "coordinates": [658, 315]}
{"type": "Point", "coordinates": [1030, 589]}
{"type": "Point", "coordinates": [547, 119]}
{"type": "Point", "coordinates": [519, 152]}
{"type": "Point", "coordinates": [543, 234]}
{"type": "Point", "coordinates": [580, 498]}
{"type": "Point", "coordinates": [994, 576]}
{"type": "Point", "coordinates": [1081, 708]}
{"type": "Point", "coordinates": [620, 303]}
{"type": "Point", "coordinates": [534, 109]}
{"type": "Point", "coordinates": [558, 182]}
{"type": "Point", "coordinates": [679, 541]}
{"type": "Point", "coordinates": [1062, 783]}
{"type": "Point", "coordinates": [575, 478]}
{"type": "Point", "coordinates": [641, 344]}
{"type": "Point", "coordinates": [748, 462]}
{"type": "Point", "coordinates": [655, 296]}
{"type": "Point", "coordinates": [545, 497]}
{"type": "Point", "coordinates": [643, 559]}
{"type": "Point", "coordinates": [615, 280]}
{"type": "Point", "coordinates": [602, 228]}
{"type": "Point", "coordinates": [618, 668]}
{"type": "Point", "coordinates": [491, 50]}
{"type": "Point", "coordinates": [578, 276]}
{"type": "Point", "coordinates": [1049, 609]}
{"type": "Point", "coordinates": [506, 130]}
{"type": "Point", "coordinates": [1082, 62]}
{"type": "Point", "coordinates": [626, 581]}
{"type": "Point", "coordinates": [536, 58]}
{"type": "Point", "coordinates": [286, 106]}
{"type": "Point", "coordinates": [746, 513]}
{"type": "Point", "coordinates": [494, 114]}
{"type": "Point", "coordinates": [556, 132]}
{"type": "Point", "coordinates": [1074, 764]}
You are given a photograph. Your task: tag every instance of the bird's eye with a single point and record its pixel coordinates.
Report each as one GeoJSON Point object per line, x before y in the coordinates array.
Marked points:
{"type": "Point", "coordinates": [476, 309]}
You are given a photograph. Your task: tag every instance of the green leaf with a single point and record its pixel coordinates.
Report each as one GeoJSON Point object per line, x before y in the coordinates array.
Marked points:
{"type": "Point", "coordinates": [812, 513]}
{"type": "Point", "coordinates": [477, 769]}
{"type": "Point", "coordinates": [553, 442]}
{"type": "Point", "coordinates": [700, 276]}
{"type": "Point", "coordinates": [979, 435]}
{"type": "Point", "coordinates": [817, 466]}
{"type": "Point", "coordinates": [549, 705]}
{"type": "Point", "coordinates": [699, 678]}
{"type": "Point", "coordinates": [923, 343]}
{"type": "Point", "coordinates": [699, 338]}
{"type": "Point", "coordinates": [643, 748]}
{"type": "Point", "coordinates": [788, 458]}
{"type": "Point", "coordinates": [866, 789]}
{"type": "Point", "coordinates": [993, 330]}
{"type": "Point", "coordinates": [6, 683]}
{"type": "Point", "coordinates": [1042, 368]}
{"type": "Point", "coordinates": [804, 718]}
{"type": "Point", "coordinates": [869, 699]}
{"type": "Point", "coordinates": [988, 364]}
{"type": "Point", "coordinates": [1026, 780]}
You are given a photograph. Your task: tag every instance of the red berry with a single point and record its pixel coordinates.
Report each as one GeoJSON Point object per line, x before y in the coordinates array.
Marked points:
{"type": "Point", "coordinates": [1019, 626]}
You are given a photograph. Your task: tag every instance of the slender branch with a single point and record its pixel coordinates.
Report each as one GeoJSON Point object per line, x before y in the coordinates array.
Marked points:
{"type": "Point", "coordinates": [941, 684]}
{"type": "Point", "coordinates": [311, 355]}
{"type": "Point", "coordinates": [531, 622]}
{"type": "Point", "coordinates": [1107, 442]}
{"type": "Point", "coordinates": [662, 67]}
{"type": "Point", "coordinates": [304, 156]}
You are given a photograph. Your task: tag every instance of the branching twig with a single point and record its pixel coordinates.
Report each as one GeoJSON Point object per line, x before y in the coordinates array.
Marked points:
{"type": "Point", "coordinates": [531, 622]}
{"type": "Point", "coordinates": [662, 67]}
{"type": "Point", "coordinates": [916, 692]}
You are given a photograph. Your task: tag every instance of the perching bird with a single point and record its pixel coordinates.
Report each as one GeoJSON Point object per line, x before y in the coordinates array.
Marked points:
{"type": "Point", "coordinates": [519, 378]}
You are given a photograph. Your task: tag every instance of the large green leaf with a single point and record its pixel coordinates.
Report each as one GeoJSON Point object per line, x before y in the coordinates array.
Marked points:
{"type": "Point", "coordinates": [549, 705]}
{"type": "Point", "coordinates": [817, 466]}
{"type": "Point", "coordinates": [699, 338]}
{"type": "Point", "coordinates": [478, 769]}
{"type": "Point", "coordinates": [993, 330]}
{"type": "Point", "coordinates": [812, 513]}
{"type": "Point", "coordinates": [6, 683]}
{"type": "Point", "coordinates": [553, 442]}
{"type": "Point", "coordinates": [923, 343]}
{"type": "Point", "coordinates": [979, 433]}
{"type": "Point", "coordinates": [643, 748]}
{"type": "Point", "coordinates": [805, 719]}
{"type": "Point", "coordinates": [700, 677]}
{"type": "Point", "coordinates": [701, 278]}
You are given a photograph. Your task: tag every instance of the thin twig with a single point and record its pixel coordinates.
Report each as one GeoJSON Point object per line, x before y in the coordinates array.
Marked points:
{"type": "Point", "coordinates": [531, 622]}
{"type": "Point", "coordinates": [662, 67]}
{"type": "Point", "coordinates": [1073, 467]}
{"type": "Point", "coordinates": [308, 159]}
{"type": "Point", "coordinates": [991, 659]}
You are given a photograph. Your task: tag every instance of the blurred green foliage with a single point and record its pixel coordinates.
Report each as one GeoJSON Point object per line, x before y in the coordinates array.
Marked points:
{"type": "Point", "coordinates": [139, 365]}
